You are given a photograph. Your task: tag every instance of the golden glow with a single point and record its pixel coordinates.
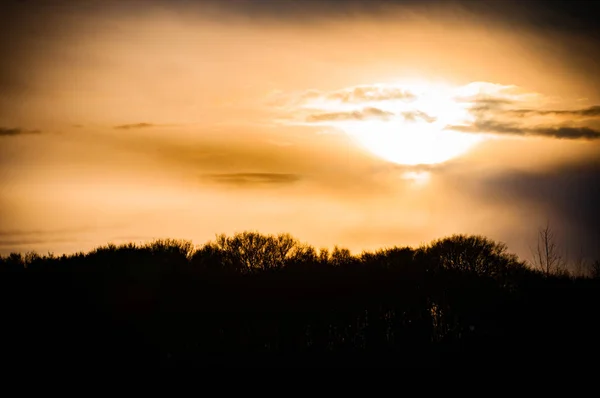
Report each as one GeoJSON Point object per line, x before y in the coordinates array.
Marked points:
{"type": "Point", "coordinates": [231, 142]}
{"type": "Point", "coordinates": [411, 130]}
{"type": "Point", "coordinates": [412, 145]}
{"type": "Point", "coordinates": [417, 177]}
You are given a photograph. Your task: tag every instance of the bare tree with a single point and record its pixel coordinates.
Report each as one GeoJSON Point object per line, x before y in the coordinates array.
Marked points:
{"type": "Point", "coordinates": [546, 256]}
{"type": "Point", "coordinates": [595, 269]}
{"type": "Point", "coordinates": [251, 251]}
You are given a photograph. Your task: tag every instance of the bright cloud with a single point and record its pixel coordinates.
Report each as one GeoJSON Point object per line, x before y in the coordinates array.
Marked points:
{"type": "Point", "coordinates": [421, 123]}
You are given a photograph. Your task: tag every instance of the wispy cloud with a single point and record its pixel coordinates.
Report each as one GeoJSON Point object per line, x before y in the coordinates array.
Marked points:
{"type": "Point", "coordinates": [19, 237]}
{"type": "Point", "coordinates": [253, 179]}
{"type": "Point", "coordinates": [134, 126]}
{"type": "Point", "coordinates": [364, 114]}
{"type": "Point", "coordinates": [7, 132]}
{"type": "Point", "coordinates": [13, 243]}
{"type": "Point", "coordinates": [592, 111]}
{"type": "Point", "coordinates": [478, 107]}
{"type": "Point", "coordinates": [500, 113]}
{"type": "Point", "coordinates": [413, 116]}
{"type": "Point", "coordinates": [356, 95]}
{"type": "Point", "coordinates": [561, 132]}
{"type": "Point", "coordinates": [361, 94]}
{"type": "Point", "coordinates": [486, 104]}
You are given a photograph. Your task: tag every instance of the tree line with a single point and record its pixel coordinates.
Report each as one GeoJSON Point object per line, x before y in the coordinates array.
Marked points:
{"type": "Point", "coordinates": [252, 299]}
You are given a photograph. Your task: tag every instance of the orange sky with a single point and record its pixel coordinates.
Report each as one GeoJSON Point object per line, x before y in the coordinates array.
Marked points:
{"type": "Point", "coordinates": [187, 122]}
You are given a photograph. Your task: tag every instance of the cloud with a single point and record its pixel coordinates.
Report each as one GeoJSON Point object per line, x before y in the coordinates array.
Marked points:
{"type": "Point", "coordinates": [497, 114]}
{"type": "Point", "coordinates": [592, 111]}
{"type": "Point", "coordinates": [361, 94]}
{"type": "Point", "coordinates": [12, 243]}
{"type": "Point", "coordinates": [356, 95]}
{"type": "Point", "coordinates": [247, 179]}
{"type": "Point", "coordinates": [19, 237]}
{"type": "Point", "coordinates": [7, 132]}
{"type": "Point", "coordinates": [37, 232]}
{"type": "Point", "coordinates": [412, 116]}
{"type": "Point", "coordinates": [566, 195]}
{"type": "Point", "coordinates": [364, 114]}
{"type": "Point", "coordinates": [485, 104]}
{"type": "Point", "coordinates": [33, 241]}
{"type": "Point", "coordinates": [500, 101]}
{"type": "Point", "coordinates": [229, 157]}
{"type": "Point", "coordinates": [134, 126]}
{"type": "Point", "coordinates": [568, 17]}
{"type": "Point", "coordinates": [563, 132]}
{"type": "Point", "coordinates": [568, 132]}
{"type": "Point", "coordinates": [299, 11]}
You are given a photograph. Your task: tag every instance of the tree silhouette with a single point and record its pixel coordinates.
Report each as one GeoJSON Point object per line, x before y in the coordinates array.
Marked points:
{"type": "Point", "coordinates": [472, 254]}
{"type": "Point", "coordinates": [250, 299]}
{"type": "Point", "coordinates": [546, 255]}
{"type": "Point", "coordinates": [596, 269]}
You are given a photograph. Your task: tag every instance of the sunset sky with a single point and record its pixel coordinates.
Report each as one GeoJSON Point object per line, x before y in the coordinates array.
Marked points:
{"type": "Point", "coordinates": [359, 123]}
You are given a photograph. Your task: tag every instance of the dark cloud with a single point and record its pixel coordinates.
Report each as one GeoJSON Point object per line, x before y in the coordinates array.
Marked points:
{"type": "Point", "coordinates": [592, 111]}
{"type": "Point", "coordinates": [566, 16]}
{"type": "Point", "coordinates": [303, 10]}
{"type": "Point", "coordinates": [364, 114]}
{"type": "Point", "coordinates": [563, 132]}
{"type": "Point", "coordinates": [25, 20]}
{"type": "Point", "coordinates": [6, 132]}
{"type": "Point", "coordinates": [30, 241]}
{"type": "Point", "coordinates": [494, 105]}
{"type": "Point", "coordinates": [562, 15]}
{"type": "Point", "coordinates": [22, 233]}
{"type": "Point", "coordinates": [252, 179]}
{"type": "Point", "coordinates": [569, 16]}
{"type": "Point", "coordinates": [134, 126]}
{"type": "Point", "coordinates": [568, 195]}
{"type": "Point", "coordinates": [484, 103]}
{"type": "Point", "coordinates": [486, 110]}
{"type": "Point", "coordinates": [483, 107]}
{"type": "Point", "coordinates": [568, 132]}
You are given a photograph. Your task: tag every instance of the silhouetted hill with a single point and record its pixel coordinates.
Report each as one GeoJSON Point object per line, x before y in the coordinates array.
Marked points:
{"type": "Point", "coordinates": [256, 300]}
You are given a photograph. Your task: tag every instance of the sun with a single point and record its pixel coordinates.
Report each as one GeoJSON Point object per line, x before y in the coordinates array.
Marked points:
{"type": "Point", "coordinates": [413, 131]}
{"type": "Point", "coordinates": [410, 144]}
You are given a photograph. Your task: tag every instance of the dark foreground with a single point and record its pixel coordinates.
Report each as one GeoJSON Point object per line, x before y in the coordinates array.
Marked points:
{"type": "Point", "coordinates": [274, 302]}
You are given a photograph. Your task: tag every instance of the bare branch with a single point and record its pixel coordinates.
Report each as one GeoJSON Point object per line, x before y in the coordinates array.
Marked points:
{"type": "Point", "coordinates": [547, 256]}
